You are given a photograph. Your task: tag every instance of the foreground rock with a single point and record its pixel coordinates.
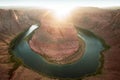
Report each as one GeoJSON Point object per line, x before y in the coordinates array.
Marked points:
{"type": "Point", "coordinates": [7, 25]}
{"type": "Point", "coordinates": [23, 73]}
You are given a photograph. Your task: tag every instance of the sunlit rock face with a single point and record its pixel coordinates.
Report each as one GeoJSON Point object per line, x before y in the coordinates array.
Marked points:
{"type": "Point", "coordinates": [55, 40]}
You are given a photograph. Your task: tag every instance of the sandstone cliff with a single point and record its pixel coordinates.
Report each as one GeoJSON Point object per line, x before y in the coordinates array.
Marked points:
{"type": "Point", "coordinates": [103, 22]}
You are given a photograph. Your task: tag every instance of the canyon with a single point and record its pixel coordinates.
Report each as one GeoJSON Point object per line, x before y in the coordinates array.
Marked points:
{"type": "Point", "coordinates": [103, 22]}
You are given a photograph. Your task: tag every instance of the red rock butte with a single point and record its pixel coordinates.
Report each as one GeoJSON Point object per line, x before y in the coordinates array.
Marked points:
{"type": "Point", "coordinates": [55, 40]}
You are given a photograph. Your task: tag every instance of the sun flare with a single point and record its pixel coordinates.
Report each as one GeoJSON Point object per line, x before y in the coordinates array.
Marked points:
{"type": "Point", "coordinates": [62, 12]}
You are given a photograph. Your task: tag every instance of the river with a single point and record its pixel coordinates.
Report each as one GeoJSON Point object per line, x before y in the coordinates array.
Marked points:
{"type": "Point", "coordinates": [87, 64]}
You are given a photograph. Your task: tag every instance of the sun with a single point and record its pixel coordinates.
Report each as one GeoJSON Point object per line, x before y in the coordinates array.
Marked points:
{"type": "Point", "coordinates": [61, 12]}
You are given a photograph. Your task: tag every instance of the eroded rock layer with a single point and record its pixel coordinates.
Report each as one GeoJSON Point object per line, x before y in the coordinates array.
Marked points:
{"type": "Point", "coordinates": [103, 22]}
{"type": "Point", "coordinates": [55, 40]}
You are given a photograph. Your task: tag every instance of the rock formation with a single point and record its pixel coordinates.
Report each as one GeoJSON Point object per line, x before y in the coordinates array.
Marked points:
{"type": "Point", "coordinates": [55, 40]}
{"type": "Point", "coordinates": [103, 22]}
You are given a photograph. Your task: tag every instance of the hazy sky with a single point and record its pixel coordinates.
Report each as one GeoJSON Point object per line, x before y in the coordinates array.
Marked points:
{"type": "Point", "coordinates": [60, 3]}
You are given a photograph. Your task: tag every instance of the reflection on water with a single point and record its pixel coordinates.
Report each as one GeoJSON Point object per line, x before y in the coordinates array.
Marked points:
{"type": "Point", "coordinates": [86, 65]}
{"type": "Point", "coordinates": [31, 29]}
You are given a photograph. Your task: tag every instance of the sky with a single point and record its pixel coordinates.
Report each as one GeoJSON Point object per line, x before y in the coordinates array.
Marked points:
{"type": "Point", "coordinates": [59, 3]}
{"type": "Point", "coordinates": [59, 7]}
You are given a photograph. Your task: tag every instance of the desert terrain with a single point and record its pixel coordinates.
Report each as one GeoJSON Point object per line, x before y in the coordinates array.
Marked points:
{"type": "Point", "coordinates": [105, 23]}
